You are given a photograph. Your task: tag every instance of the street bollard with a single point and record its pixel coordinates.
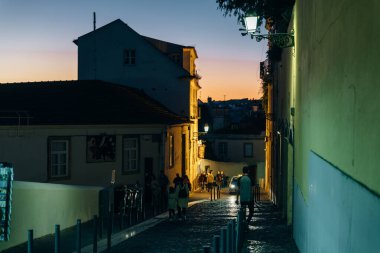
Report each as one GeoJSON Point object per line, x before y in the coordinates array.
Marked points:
{"type": "Point", "coordinates": [216, 244]}
{"type": "Point", "coordinates": [112, 218]}
{"type": "Point", "coordinates": [228, 238]}
{"type": "Point", "coordinates": [30, 241]}
{"type": "Point", "coordinates": [109, 230]}
{"type": "Point", "coordinates": [57, 239]}
{"type": "Point", "coordinates": [122, 221]}
{"type": "Point", "coordinates": [233, 236]}
{"type": "Point", "coordinates": [100, 224]}
{"type": "Point", "coordinates": [206, 249]}
{"type": "Point", "coordinates": [223, 243]}
{"type": "Point", "coordinates": [79, 236]}
{"type": "Point", "coordinates": [238, 231]}
{"type": "Point", "coordinates": [95, 238]}
{"type": "Point", "coordinates": [144, 211]}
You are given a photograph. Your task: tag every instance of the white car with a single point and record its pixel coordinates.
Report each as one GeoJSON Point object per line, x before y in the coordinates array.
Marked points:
{"type": "Point", "coordinates": [233, 186]}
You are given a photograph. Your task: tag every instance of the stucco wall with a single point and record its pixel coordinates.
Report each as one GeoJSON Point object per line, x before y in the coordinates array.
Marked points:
{"type": "Point", "coordinates": [337, 56]}
{"type": "Point", "coordinates": [340, 215]}
{"type": "Point", "coordinates": [28, 152]}
{"type": "Point", "coordinates": [235, 147]}
{"type": "Point", "coordinates": [171, 171]}
{"type": "Point", "coordinates": [39, 206]}
{"type": "Point", "coordinates": [330, 78]}
{"type": "Point", "coordinates": [100, 56]}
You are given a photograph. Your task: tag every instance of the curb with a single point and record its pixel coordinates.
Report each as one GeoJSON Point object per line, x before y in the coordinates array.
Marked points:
{"type": "Point", "coordinates": [121, 236]}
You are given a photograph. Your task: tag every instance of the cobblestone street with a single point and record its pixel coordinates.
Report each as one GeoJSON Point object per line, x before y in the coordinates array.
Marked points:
{"type": "Point", "coordinates": [267, 232]}
{"type": "Point", "coordinates": [205, 218]}
{"type": "Point", "coordinates": [203, 221]}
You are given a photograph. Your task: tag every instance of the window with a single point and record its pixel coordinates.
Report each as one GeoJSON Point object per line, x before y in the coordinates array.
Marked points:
{"type": "Point", "coordinates": [130, 154]}
{"type": "Point", "coordinates": [58, 157]}
{"type": "Point", "coordinates": [171, 150]}
{"type": "Point", "coordinates": [248, 150]}
{"type": "Point", "coordinates": [130, 57]}
{"type": "Point", "coordinates": [223, 149]}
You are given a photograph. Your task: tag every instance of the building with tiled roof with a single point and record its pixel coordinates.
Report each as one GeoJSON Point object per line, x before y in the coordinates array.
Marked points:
{"type": "Point", "coordinates": [164, 71]}
{"type": "Point", "coordinates": [81, 103]}
{"type": "Point", "coordinates": [82, 132]}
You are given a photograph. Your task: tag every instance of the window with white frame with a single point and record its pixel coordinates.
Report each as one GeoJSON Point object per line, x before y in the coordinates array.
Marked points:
{"type": "Point", "coordinates": [130, 154]}
{"type": "Point", "coordinates": [248, 150]}
{"type": "Point", "coordinates": [59, 157]}
{"type": "Point", "coordinates": [129, 57]}
{"type": "Point", "coordinates": [171, 150]}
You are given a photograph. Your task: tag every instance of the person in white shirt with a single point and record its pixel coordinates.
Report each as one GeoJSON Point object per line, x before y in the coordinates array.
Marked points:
{"type": "Point", "coordinates": [210, 181]}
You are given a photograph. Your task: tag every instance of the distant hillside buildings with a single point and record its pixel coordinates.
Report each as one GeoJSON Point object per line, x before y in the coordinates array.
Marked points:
{"type": "Point", "coordinates": [242, 116]}
{"type": "Point", "coordinates": [237, 130]}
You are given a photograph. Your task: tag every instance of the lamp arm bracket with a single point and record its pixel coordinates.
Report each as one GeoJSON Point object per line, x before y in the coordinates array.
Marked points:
{"type": "Point", "coordinates": [282, 40]}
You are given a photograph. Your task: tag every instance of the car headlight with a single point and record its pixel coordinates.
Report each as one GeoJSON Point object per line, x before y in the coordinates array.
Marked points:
{"type": "Point", "coordinates": [232, 186]}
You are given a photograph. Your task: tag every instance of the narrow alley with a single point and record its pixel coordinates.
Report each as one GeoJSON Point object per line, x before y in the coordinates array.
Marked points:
{"type": "Point", "coordinates": [266, 233]}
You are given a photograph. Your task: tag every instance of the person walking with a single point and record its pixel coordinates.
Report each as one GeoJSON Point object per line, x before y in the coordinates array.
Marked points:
{"type": "Point", "coordinates": [177, 180]}
{"type": "Point", "coordinates": [224, 179]}
{"type": "Point", "coordinates": [219, 180]}
{"type": "Point", "coordinates": [156, 194]}
{"type": "Point", "coordinates": [186, 180]}
{"type": "Point", "coordinates": [245, 194]}
{"type": "Point", "coordinates": [183, 190]}
{"type": "Point", "coordinates": [172, 202]}
{"type": "Point", "coordinates": [200, 182]}
{"type": "Point", "coordinates": [164, 183]}
{"type": "Point", "coordinates": [210, 181]}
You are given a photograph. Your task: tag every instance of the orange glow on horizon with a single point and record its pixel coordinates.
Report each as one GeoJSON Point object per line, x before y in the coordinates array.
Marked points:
{"type": "Point", "coordinates": [221, 78]}
{"type": "Point", "coordinates": [38, 67]}
{"type": "Point", "coordinates": [231, 78]}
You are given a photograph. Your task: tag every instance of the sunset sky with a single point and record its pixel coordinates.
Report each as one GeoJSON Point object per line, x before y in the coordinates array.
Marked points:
{"type": "Point", "coordinates": [36, 39]}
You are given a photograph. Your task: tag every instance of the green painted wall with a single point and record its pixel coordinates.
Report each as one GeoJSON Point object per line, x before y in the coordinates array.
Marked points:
{"type": "Point", "coordinates": [336, 58]}
{"type": "Point", "coordinates": [39, 206]}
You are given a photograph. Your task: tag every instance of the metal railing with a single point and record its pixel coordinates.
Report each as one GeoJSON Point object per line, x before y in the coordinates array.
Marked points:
{"type": "Point", "coordinates": [131, 207]}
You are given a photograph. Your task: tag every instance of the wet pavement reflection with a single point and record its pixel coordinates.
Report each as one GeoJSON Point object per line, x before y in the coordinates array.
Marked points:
{"type": "Point", "coordinates": [266, 233]}
{"type": "Point", "coordinates": [203, 221]}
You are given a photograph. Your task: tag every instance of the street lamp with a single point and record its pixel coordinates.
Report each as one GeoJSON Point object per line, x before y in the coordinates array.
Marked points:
{"type": "Point", "coordinates": [206, 128]}
{"type": "Point", "coordinates": [281, 40]}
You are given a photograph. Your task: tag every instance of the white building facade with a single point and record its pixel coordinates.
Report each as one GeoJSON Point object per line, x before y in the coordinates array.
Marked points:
{"type": "Point", "coordinates": [164, 71]}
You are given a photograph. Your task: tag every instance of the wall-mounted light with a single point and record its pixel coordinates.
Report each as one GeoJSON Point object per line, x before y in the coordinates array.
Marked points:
{"type": "Point", "coordinates": [251, 23]}
{"type": "Point", "coordinates": [205, 127]}
{"type": "Point", "coordinates": [281, 40]}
